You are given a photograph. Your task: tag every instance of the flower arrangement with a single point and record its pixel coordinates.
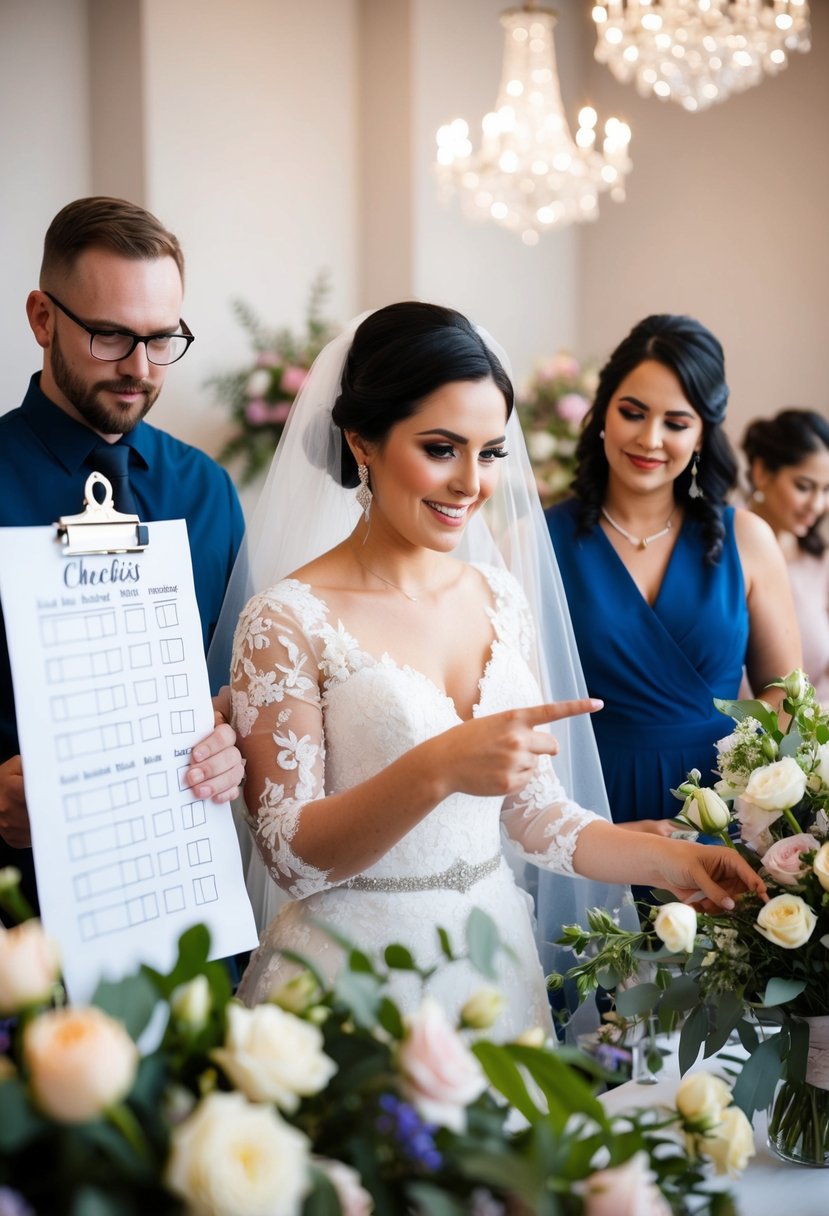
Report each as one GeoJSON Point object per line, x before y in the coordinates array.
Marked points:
{"type": "Point", "coordinates": [260, 395]}
{"type": "Point", "coordinates": [762, 972]}
{"type": "Point", "coordinates": [326, 1100]}
{"type": "Point", "coordinates": [552, 406]}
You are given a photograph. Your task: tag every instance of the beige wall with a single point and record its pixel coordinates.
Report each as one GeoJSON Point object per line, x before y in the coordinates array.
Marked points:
{"type": "Point", "coordinates": [278, 139]}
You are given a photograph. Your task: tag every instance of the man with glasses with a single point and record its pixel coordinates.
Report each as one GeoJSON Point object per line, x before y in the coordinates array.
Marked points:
{"type": "Point", "coordinates": [107, 315]}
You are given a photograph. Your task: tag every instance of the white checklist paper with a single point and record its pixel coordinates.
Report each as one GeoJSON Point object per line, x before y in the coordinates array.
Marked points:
{"type": "Point", "coordinates": [111, 695]}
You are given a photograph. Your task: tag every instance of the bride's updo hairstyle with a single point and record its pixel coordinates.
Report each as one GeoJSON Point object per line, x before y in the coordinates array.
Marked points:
{"type": "Point", "coordinates": [399, 356]}
{"type": "Point", "coordinates": [784, 442]}
{"type": "Point", "coordinates": [696, 358]}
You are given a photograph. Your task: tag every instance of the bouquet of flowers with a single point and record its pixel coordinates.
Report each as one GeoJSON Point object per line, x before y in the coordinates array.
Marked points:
{"type": "Point", "coordinates": [762, 972]}
{"type": "Point", "coordinates": [552, 406]}
{"type": "Point", "coordinates": [260, 395]}
{"type": "Point", "coordinates": [323, 1101]}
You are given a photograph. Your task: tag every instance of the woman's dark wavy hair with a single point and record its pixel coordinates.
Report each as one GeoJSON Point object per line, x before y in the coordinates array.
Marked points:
{"type": "Point", "coordinates": [401, 354]}
{"type": "Point", "coordinates": [785, 441]}
{"type": "Point", "coordinates": [696, 358]}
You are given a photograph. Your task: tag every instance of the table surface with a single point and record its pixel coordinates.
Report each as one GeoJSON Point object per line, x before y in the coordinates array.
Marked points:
{"type": "Point", "coordinates": [769, 1186]}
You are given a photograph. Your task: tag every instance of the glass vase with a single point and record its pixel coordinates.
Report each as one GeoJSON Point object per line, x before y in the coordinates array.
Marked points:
{"type": "Point", "coordinates": [798, 1128]}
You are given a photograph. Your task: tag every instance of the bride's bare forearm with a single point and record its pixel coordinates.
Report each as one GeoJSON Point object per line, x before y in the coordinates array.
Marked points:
{"type": "Point", "coordinates": [608, 852]}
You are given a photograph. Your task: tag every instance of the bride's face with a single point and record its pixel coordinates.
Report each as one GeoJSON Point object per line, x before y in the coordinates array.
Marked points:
{"type": "Point", "coordinates": [437, 467]}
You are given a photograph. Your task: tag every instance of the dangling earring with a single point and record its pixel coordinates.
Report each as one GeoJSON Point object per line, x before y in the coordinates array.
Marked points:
{"type": "Point", "coordinates": [758, 496]}
{"type": "Point", "coordinates": [364, 491]}
{"type": "Point", "coordinates": [601, 433]}
{"type": "Point", "coordinates": [694, 490]}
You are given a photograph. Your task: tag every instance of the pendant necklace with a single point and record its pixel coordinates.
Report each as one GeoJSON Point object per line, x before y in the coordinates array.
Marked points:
{"type": "Point", "coordinates": [640, 542]}
{"type": "Point", "coordinates": [395, 586]}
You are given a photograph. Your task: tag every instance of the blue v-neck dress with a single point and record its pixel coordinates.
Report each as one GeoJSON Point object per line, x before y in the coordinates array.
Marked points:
{"type": "Point", "coordinates": [657, 667]}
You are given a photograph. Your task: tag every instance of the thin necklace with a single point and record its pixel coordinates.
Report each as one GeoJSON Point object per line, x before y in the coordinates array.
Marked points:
{"type": "Point", "coordinates": [387, 581]}
{"type": "Point", "coordinates": [640, 542]}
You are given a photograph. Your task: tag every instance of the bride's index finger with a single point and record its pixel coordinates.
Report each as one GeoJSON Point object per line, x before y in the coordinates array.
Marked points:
{"type": "Point", "coordinates": [553, 711]}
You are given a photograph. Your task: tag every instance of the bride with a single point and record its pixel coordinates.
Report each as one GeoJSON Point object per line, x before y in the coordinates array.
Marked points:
{"type": "Point", "coordinates": [393, 698]}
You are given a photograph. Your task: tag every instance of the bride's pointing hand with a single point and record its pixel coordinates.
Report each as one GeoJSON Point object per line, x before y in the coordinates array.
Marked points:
{"type": "Point", "coordinates": [496, 754]}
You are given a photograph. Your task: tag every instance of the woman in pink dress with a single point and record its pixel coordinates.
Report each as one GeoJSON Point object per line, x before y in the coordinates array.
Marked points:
{"type": "Point", "coordinates": [788, 465]}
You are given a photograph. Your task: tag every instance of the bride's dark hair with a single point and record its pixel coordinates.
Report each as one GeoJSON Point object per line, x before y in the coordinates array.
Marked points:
{"type": "Point", "coordinates": [696, 358]}
{"type": "Point", "coordinates": [400, 354]}
{"type": "Point", "coordinates": [785, 442]}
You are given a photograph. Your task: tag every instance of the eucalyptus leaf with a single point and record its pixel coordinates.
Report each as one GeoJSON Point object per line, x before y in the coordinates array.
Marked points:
{"type": "Point", "coordinates": [361, 992]}
{"type": "Point", "coordinates": [691, 1038]}
{"type": "Point", "coordinates": [399, 958]}
{"type": "Point", "coordinates": [504, 1075]}
{"type": "Point", "coordinates": [19, 1123]}
{"type": "Point", "coordinates": [433, 1200]}
{"type": "Point", "coordinates": [682, 994]}
{"type": "Point", "coordinates": [608, 978]}
{"type": "Point", "coordinates": [780, 992]}
{"type": "Point", "coordinates": [759, 710]}
{"type": "Point", "coordinates": [130, 1000]}
{"type": "Point", "coordinates": [634, 1002]}
{"type": "Point", "coordinates": [754, 1088]}
{"type": "Point", "coordinates": [483, 942]}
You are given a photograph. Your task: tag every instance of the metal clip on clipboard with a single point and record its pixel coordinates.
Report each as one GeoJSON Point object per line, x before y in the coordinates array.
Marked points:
{"type": "Point", "coordinates": [100, 528]}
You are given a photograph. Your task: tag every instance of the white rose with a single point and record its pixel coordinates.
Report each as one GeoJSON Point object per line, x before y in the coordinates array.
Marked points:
{"type": "Point", "coordinates": [29, 966]}
{"type": "Point", "coordinates": [540, 445]}
{"type": "Point", "coordinates": [354, 1198]}
{"type": "Point", "coordinates": [777, 786]}
{"type": "Point", "coordinates": [822, 766]}
{"type": "Point", "coordinates": [706, 810]}
{"type": "Point", "coordinates": [190, 1003]}
{"type": "Point", "coordinates": [441, 1075]}
{"type": "Point", "coordinates": [821, 865]}
{"type": "Point", "coordinates": [625, 1190]}
{"type": "Point", "coordinates": [80, 1062]}
{"type": "Point", "coordinates": [482, 1009]}
{"type": "Point", "coordinates": [676, 925]}
{"type": "Point", "coordinates": [258, 383]}
{"type": "Point", "coordinates": [273, 1056]}
{"type": "Point", "coordinates": [701, 1098]}
{"type": "Point", "coordinates": [755, 824]}
{"type": "Point", "coordinates": [730, 1144]}
{"type": "Point", "coordinates": [230, 1158]}
{"type": "Point", "coordinates": [786, 921]}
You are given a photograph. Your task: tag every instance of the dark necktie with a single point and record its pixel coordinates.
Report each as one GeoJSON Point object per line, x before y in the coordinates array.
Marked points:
{"type": "Point", "coordinates": [112, 459]}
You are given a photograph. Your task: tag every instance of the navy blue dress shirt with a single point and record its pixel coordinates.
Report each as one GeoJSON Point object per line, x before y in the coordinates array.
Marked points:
{"type": "Point", "coordinates": [45, 459]}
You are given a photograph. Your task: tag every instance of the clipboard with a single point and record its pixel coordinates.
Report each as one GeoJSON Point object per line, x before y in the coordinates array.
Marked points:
{"type": "Point", "coordinates": [99, 528]}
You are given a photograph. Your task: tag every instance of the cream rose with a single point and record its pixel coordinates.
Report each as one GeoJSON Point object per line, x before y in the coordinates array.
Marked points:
{"type": "Point", "coordinates": [80, 1062]}
{"type": "Point", "coordinates": [821, 865]}
{"type": "Point", "coordinates": [190, 1003]}
{"type": "Point", "coordinates": [676, 925]}
{"type": "Point", "coordinates": [777, 786]}
{"type": "Point", "coordinates": [730, 1144]}
{"type": "Point", "coordinates": [701, 1098]}
{"type": "Point", "coordinates": [441, 1075]}
{"type": "Point", "coordinates": [230, 1157]}
{"type": "Point", "coordinates": [786, 921]}
{"type": "Point", "coordinates": [29, 966]}
{"type": "Point", "coordinates": [705, 809]}
{"type": "Point", "coordinates": [783, 860]}
{"type": "Point", "coordinates": [822, 766]}
{"type": "Point", "coordinates": [273, 1056]}
{"type": "Point", "coordinates": [625, 1190]}
{"type": "Point", "coordinates": [482, 1009]}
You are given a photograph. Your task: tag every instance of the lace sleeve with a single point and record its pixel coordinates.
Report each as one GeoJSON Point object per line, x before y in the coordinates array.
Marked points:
{"type": "Point", "coordinates": [277, 714]}
{"type": "Point", "coordinates": [543, 823]}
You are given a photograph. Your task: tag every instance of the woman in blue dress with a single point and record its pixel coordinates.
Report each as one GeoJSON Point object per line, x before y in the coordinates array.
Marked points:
{"type": "Point", "coordinates": [671, 591]}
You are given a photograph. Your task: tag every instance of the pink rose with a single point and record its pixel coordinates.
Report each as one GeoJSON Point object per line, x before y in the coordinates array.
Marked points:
{"type": "Point", "coordinates": [354, 1198]}
{"type": "Point", "coordinates": [561, 365]}
{"type": "Point", "coordinates": [783, 861]}
{"type": "Point", "coordinates": [572, 407]}
{"type": "Point", "coordinates": [293, 378]}
{"type": "Point", "coordinates": [441, 1075]}
{"type": "Point", "coordinates": [626, 1190]}
{"type": "Point", "coordinates": [279, 412]}
{"type": "Point", "coordinates": [256, 412]}
{"type": "Point", "coordinates": [268, 359]}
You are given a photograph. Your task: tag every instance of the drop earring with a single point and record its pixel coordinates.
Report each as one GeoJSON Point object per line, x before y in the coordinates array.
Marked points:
{"type": "Point", "coordinates": [758, 496]}
{"type": "Point", "coordinates": [694, 490]}
{"type": "Point", "coordinates": [601, 434]}
{"type": "Point", "coordinates": [364, 495]}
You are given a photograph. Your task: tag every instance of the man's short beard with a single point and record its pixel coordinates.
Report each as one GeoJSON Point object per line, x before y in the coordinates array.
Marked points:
{"type": "Point", "coordinates": [86, 398]}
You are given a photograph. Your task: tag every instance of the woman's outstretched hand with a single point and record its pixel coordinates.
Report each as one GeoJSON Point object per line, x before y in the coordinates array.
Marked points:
{"type": "Point", "coordinates": [496, 755]}
{"type": "Point", "coordinates": [707, 876]}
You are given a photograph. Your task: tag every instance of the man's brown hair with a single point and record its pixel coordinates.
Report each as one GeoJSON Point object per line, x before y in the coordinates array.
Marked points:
{"type": "Point", "coordinates": [105, 223]}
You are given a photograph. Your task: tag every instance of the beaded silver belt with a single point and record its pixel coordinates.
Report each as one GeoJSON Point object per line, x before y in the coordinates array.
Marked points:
{"type": "Point", "coordinates": [460, 876]}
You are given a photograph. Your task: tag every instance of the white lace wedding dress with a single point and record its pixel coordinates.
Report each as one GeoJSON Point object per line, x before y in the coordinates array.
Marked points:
{"type": "Point", "coordinates": [338, 715]}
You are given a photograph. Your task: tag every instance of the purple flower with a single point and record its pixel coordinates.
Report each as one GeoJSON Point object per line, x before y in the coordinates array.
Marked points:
{"type": "Point", "coordinates": [256, 412]}
{"type": "Point", "coordinates": [414, 1137]}
{"type": "Point", "coordinates": [12, 1203]}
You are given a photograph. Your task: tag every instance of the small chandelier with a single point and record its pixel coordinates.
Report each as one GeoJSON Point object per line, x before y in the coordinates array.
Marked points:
{"type": "Point", "coordinates": [698, 52]}
{"type": "Point", "coordinates": [529, 174]}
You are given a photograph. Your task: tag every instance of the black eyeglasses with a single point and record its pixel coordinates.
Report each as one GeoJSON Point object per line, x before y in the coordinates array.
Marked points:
{"type": "Point", "coordinates": [112, 345]}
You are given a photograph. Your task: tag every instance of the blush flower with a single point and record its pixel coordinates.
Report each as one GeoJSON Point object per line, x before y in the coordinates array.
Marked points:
{"type": "Point", "coordinates": [784, 862]}
{"type": "Point", "coordinates": [441, 1075]}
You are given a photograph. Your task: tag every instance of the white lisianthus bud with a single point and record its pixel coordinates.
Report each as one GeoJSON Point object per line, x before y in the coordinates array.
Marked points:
{"type": "Point", "coordinates": [778, 786]}
{"type": "Point", "coordinates": [190, 1003]}
{"type": "Point", "coordinates": [787, 921]}
{"type": "Point", "coordinates": [676, 925]}
{"type": "Point", "coordinates": [706, 810]}
{"type": "Point", "coordinates": [29, 966]}
{"type": "Point", "coordinates": [821, 865]}
{"type": "Point", "coordinates": [534, 1037]}
{"type": "Point", "coordinates": [482, 1009]}
{"type": "Point", "coordinates": [298, 994]}
{"type": "Point", "coordinates": [769, 747]}
{"type": "Point", "coordinates": [80, 1062]}
{"type": "Point", "coordinates": [259, 382]}
{"type": "Point", "coordinates": [797, 686]}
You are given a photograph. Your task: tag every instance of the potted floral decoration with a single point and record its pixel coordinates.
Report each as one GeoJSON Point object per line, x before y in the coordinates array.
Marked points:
{"type": "Point", "coordinates": [261, 394]}
{"type": "Point", "coordinates": [761, 972]}
{"type": "Point", "coordinates": [552, 406]}
{"type": "Point", "coordinates": [325, 1100]}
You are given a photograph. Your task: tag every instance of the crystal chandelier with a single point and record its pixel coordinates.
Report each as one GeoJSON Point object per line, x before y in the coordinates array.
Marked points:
{"type": "Point", "coordinates": [697, 52]}
{"type": "Point", "coordinates": [529, 174]}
